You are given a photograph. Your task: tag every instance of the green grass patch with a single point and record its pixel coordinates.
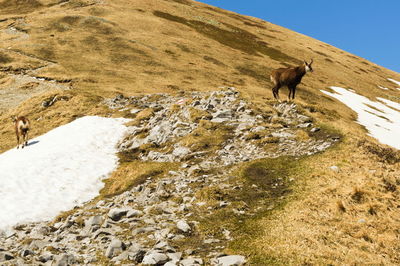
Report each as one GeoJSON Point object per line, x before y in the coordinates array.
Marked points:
{"type": "Point", "coordinates": [213, 60]}
{"type": "Point", "coordinates": [235, 38]}
{"type": "Point", "coordinates": [265, 187]}
{"type": "Point", "coordinates": [5, 59]}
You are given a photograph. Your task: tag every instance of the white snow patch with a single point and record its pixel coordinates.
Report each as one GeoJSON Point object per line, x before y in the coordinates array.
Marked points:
{"type": "Point", "coordinates": [394, 81]}
{"type": "Point", "coordinates": [390, 103]}
{"type": "Point", "coordinates": [58, 170]}
{"type": "Point", "coordinates": [383, 88]}
{"type": "Point", "coordinates": [381, 119]}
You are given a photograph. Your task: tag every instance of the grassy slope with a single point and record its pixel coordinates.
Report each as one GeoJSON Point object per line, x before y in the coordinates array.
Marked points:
{"type": "Point", "coordinates": [134, 47]}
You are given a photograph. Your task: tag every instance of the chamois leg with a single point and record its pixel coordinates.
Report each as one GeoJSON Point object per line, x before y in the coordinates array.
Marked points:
{"type": "Point", "coordinates": [294, 93]}
{"type": "Point", "coordinates": [275, 91]}
{"type": "Point", "coordinates": [17, 141]}
{"type": "Point", "coordinates": [26, 138]}
{"type": "Point", "coordinates": [290, 94]}
{"type": "Point", "coordinates": [24, 135]}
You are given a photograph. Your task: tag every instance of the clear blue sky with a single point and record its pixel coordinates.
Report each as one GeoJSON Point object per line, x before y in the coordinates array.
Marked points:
{"type": "Point", "coordinates": [367, 28]}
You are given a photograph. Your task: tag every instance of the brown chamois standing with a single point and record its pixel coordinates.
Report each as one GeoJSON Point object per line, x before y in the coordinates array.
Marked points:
{"type": "Point", "coordinates": [22, 126]}
{"type": "Point", "coordinates": [289, 77]}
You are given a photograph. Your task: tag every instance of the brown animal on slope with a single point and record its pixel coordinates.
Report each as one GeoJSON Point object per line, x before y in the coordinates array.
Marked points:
{"type": "Point", "coordinates": [22, 126]}
{"type": "Point", "coordinates": [289, 77]}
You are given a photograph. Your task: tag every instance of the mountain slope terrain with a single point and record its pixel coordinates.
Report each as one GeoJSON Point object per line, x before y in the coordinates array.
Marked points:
{"type": "Point", "coordinates": [236, 173]}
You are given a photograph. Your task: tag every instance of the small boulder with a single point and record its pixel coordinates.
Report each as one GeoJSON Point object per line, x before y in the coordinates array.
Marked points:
{"type": "Point", "coordinates": [183, 226]}
{"type": "Point", "coordinates": [136, 253]}
{"type": "Point", "coordinates": [26, 252]}
{"type": "Point", "coordinates": [191, 262]}
{"type": "Point", "coordinates": [232, 260]}
{"type": "Point", "coordinates": [115, 248]}
{"type": "Point", "coordinates": [133, 213]}
{"type": "Point", "coordinates": [94, 220]}
{"type": "Point", "coordinates": [65, 260]}
{"type": "Point", "coordinates": [45, 257]}
{"type": "Point", "coordinates": [116, 214]}
{"type": "Point", "coordinates": [155, 259]}
{"type": "Point", "coordinates": [4, 256]}
{"type": "Point", "coordinates": [180, 152]}
{"type": "Point", "coordinates": [334, 168]}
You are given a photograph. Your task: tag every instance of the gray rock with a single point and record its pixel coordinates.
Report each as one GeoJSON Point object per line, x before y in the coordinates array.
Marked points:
{"type": "Point", "coordinates": [223, 204]}
{"type": "Point", "coordinates": [45, 257]}
{"type": "Point", "coordinates": [334, 168]}
{"type": "Point", "coordinates": [282, 134]}
{"type": "Point", "coordinates": [158, 157]}
{"type": "Point", "coordinates": [94, 220]}
{"type": "Point", "coordinates": [136, 252]}
{"type": "Point", "coordinates": [222, 116]}
{"type": "Point", "coordinates": [26, 252]}
{"type": "Point", "coordinates": [115, 248]}
{"type": "Point", "coordinates": [123, 256]}
{"type": "Point", "coordinates": [134, 111]}
{"type": "Point", "coordinates": [191, 262]}
{"type": "Point", "coordinates": [194, 169]}
{"type": "Point", "coordinates": [104, 232]}
{"type": "Point", "coordinates": [258, 129]}
{"type": "Point", "coordinates": [134, 144]}
{"type": "Point", "coordinates": [232, 260]}
{"type": "Point", "coordinates": [195, 103]}
{"type": "Point", "coordinates": [176, 256]}
{"type": "Point", "coordinates": [116, 214]}
{"type": "Point", "coordinates": [304, 119]}
{"type": "Point", "coordinates": [171, 263]}
{"type": "Point", "coordinates": [163, 245]}
{"type": "Point", "coordinates": [315, 129]}
{"type": "Point", "coordinates": [5, 256]}
{"type": "Point", "coordinates": [39, 232]}
{"type": "Point", "coordinates": [241, 107]}
{"type": "Point", "coordinates": [133, 213]}
{"type": "Point", "coordinates": [67, 224]}
{"type": "Point", "coordinates": [211, 241]}
{"type": "Point", "coordinates": [155, 258]}
{"type": "Point", "coordinates": [183, 226]}
{"type": "Point", "coordinates": [304, 125]}
{"type": "Point", "coordinates": [181, 152]}
{"type": "Point", "coordinates": [219, 120]}
{"type": "Point", "coordinates": [38, 244]}
{"type": "Point", "coordinates": [65, 260]}
{"type": "Point", "coordinates": [159, 134]}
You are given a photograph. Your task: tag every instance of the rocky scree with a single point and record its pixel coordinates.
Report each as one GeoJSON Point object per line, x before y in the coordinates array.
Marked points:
{"type": "Point", "coordinates": [148, 224]}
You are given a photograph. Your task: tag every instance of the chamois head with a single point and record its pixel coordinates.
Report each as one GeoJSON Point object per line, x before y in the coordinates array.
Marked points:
{"type": "Point", "coordinates": [307, 66]}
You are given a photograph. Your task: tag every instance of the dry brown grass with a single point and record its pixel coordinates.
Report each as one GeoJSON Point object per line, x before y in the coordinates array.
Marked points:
{"type": "Point", "coordinates": [208, 136]}
{"type": "Point", "coordinates": [132, 174]}
{"type": "Point", "coordinates": [346, 217]}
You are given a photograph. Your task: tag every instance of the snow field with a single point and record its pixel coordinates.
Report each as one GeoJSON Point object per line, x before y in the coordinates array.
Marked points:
{"type": "Point", "coordinates": [381, 119]}
{"type": "Point", "coordinates": [58, 170]}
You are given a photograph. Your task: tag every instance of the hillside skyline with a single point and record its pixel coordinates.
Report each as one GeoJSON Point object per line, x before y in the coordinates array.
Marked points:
{"type": "Point", "coordinates": [362, 28]}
